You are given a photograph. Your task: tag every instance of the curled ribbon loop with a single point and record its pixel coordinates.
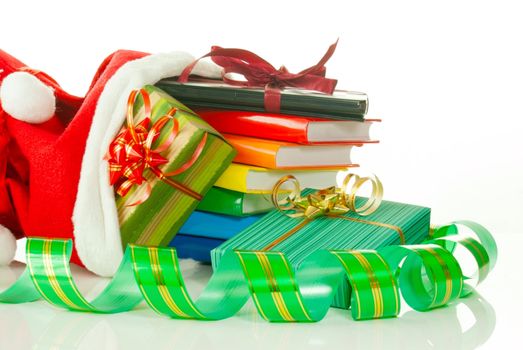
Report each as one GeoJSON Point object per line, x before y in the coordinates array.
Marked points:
{"type": "Point", "coordinates": [349, 199]}
{"type": "Point", "coordinates": [427, 276]}
{"type": "Point", "coordinates": [133, 151]}
{"type": "Point", "coordinates": [331, 201]}
{"type": "Point", "coordinates": [480, 245]}
{"type": "Point", "coordinates": [260, 73]}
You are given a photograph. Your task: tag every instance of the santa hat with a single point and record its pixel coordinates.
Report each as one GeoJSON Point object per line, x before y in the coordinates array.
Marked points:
{"type": "Point", "coordinates": [54, 181]}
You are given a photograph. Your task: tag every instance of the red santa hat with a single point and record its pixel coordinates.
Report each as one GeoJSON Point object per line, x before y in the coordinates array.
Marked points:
{"type": "Point", "coordinates": [54, 181]}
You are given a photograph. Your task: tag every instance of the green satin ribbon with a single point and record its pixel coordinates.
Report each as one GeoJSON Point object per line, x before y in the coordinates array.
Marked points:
{"type": "Point", "coordinates": [428, 276]}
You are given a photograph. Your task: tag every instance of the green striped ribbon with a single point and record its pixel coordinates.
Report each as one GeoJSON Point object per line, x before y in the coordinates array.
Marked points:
{"type": "Point", "coordinates": [428, 276]}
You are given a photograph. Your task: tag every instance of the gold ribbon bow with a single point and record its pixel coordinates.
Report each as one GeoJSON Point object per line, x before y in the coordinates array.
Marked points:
{"type": "Point", "coordinates": [331, 202]}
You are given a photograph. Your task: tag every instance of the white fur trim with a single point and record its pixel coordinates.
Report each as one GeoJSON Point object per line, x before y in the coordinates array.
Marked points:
{"type": "Point", "coordinates": [26, 98]}
{"type": "Point", "coordinates": [95, 217]}
{"type": "Point", "coordinates": [7, 246]}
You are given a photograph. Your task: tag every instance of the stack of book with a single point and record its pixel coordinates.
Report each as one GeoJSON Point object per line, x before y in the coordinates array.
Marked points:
{"type": "Point", "coordinates": [311, 138]}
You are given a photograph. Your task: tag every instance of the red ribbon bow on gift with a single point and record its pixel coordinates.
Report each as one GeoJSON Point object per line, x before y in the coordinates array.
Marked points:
{"type": "Point", "coordinates": [132, 151]}
{"type": "Point", "coordinates": [260, 73]}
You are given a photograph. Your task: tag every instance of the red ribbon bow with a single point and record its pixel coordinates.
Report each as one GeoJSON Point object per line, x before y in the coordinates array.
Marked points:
{"type": "Point", "coordinates": [260, 73]}
{"type": "Point", "coordinates": [132, 152]}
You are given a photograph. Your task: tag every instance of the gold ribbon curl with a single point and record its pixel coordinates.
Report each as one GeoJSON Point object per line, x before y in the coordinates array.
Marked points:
{"type": "Point", "coordinates": [332, 202]}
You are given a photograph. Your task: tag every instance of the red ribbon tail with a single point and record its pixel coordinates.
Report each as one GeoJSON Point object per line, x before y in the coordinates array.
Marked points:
{"type": "Point", "coordinates": [260, 73]}
{"type": "Point", "coordinates": [143, 197]}
{"type": "Point", "coordinates": [319, 68]}
{"type": "Point", "coordinates": [197, 152]}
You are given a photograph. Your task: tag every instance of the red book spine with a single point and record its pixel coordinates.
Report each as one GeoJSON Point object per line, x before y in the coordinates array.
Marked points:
{"type": "Point", "coordinates": [253, 124]}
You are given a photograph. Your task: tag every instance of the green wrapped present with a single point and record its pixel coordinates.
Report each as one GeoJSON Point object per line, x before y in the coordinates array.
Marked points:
{"type": "Point", "coordinates": [162, 163]}
{"type": "Point", "coordinates": [297, 237]}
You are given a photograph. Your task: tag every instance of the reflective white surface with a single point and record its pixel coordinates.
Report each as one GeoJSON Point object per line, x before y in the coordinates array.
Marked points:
{"type": "Point", "coordinates": [488, 320]}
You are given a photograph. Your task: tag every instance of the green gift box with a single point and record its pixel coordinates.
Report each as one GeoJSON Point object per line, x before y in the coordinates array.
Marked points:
{"type": "Point", "coordinates": [163, 207]}
{"type": "Point", "coordinates": [393, 223]}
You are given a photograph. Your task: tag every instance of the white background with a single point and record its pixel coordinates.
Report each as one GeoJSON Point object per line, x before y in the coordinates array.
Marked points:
{"type": "Point", "coordinates": [446, 77]}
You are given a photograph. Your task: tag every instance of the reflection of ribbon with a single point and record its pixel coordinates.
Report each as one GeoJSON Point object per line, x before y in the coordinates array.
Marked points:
{"type": "Point", "coordinates": [260, 73]}
{"type": "Point", "coordinates": [331, 202]}
{"type": "Point", "coordinates": [133, 151]}
{"type": "Point", "coordinates": [428, 275]}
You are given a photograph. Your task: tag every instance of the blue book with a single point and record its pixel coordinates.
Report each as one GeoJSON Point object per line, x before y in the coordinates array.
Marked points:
{"type": "Point", "coordinates": [195, 247]}
{"type": "Point", "coordinates": [217, 226]}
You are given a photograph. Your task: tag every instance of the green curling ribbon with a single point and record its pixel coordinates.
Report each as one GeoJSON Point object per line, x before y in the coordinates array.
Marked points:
{"type": "Point", "coordinates": [427, 275]}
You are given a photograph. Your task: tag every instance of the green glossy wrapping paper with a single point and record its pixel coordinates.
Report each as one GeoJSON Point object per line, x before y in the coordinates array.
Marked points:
{"type": "Point", "coordinates": [156, 221]}
{"type": "Point", "coordinates": [331, 233]}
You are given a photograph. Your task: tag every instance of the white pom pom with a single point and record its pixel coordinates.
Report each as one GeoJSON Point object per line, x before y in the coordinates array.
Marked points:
{"type": "Point", "coordinates": [26, 98]}
{"type": "Point", "coordinates": [7, 246]}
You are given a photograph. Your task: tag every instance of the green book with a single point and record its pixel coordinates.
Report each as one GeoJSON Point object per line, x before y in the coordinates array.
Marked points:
{"type": "Point", "coordinates": [379, 229]}
{"type": "Point", "coordinates": [341, 104]}
{"type": "Point", "coordinates": [222, 201]}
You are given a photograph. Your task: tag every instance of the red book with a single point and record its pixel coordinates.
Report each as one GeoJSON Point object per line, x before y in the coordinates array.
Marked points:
{"type": "Point", "coordinates": [304, 130]}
